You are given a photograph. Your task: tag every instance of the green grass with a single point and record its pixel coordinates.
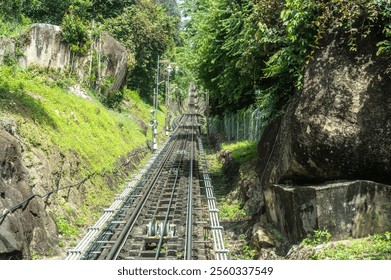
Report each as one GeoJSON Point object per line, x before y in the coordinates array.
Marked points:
{"type": "Point", "coordinates": [214, 164]}
{"type": "Point", "coordinates": [230, 208]}
{"type": "Point", "coordinates": [374, 247]}
{"type": "Point", "coordinates": [142, 110]}
{"type": "Point", "coordinates": [242, 151]}
{"type": "Point", "coordinates": [53, 116]}
{"type": "Point", "coordinates": [65, 228]}
{"type": "Point", "coordinates": [138, 108]}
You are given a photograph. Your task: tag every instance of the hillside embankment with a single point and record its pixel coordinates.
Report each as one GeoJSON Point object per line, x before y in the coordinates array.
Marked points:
{"type": "Point", "coordinates": [63, 154]}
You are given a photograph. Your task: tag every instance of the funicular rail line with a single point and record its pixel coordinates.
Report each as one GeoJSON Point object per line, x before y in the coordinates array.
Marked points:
{"type": "Point", "coordinates": [171, 213]}
{"type": "Point", "coordinates": [168, 218]}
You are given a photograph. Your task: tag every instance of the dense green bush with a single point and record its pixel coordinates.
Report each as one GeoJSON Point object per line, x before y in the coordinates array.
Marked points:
{"type": "Point", "coordinates": [75, 33]}
{"type": "Point", "coordinates": [147, 31]}
{"type": "Point", "coordinates": [257, 49]}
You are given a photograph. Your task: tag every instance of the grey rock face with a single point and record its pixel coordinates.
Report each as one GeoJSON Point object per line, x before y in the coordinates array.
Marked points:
{"type": "Point", "coordinates": [339, 126]}
{"type": "Point", "coordinates": [42, 46]}
{"type": "Point", "coordinates": [28, 226]}
{"type": "Point", "coordinates": [7, 49]}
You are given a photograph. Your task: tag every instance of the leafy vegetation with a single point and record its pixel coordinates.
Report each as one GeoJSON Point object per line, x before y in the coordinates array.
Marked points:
{"type": "Point", "coordinates": [52, 119]}
{"type": "Point", "coordinates": [11, 28]}
{"type": "Point", "coordinates": [148, 31]}
{"type": "Point", "coordinates": [255, 50]}
{"type": "Point", "coordinates": [65, 228]}
{"type": "Point", "coordinates": [319, 237]}
{"type": "Point", "coordinates": [147, 28]}
{"type": "Point", "coordinates": [374, 247]}
{"type": "Point", "coordinates": [231, 210]}
{"type": "Point", "coordinates": [97, 131]}
{"type": "Point", "coordinates": [249, 253]}
{"type": "Point", "coordinates": [75, 30]}
{"type": "Point", "coordinates": [240, 52]}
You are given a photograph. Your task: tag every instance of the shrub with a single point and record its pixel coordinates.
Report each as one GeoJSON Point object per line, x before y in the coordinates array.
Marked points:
{"type": "Point", "coordinates": [75, 33]}
{"type": "Point", "coordinates": [319, 237]}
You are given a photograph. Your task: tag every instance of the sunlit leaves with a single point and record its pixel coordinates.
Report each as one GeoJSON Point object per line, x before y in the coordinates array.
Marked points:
{"type": "Point", "coordinates": [148, 31]}
{"type": "Point", "coordinates": [260, 47]}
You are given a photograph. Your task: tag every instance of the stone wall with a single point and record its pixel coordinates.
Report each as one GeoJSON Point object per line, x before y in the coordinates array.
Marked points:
{"type": "Point", "coordinates": [345, 209]}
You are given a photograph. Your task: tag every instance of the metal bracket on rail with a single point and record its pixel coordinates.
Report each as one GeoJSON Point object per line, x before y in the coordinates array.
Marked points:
{"type": "Point", "coordinates": [155, 228]}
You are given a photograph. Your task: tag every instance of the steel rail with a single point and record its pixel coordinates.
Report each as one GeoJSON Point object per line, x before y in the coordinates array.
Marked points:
{"type": "Point", "coordinates": [163, 195]}
{"type": "Point", "coordinates": [85, 246]}
{"type": "Point", "coordinates": [76, 252]}
{"type": "Point", "coordinates": [189, 223]}
{"type": "Point", "coordinates": [160, 244]}
{"type": "Point", "coordinates": [126, 199]}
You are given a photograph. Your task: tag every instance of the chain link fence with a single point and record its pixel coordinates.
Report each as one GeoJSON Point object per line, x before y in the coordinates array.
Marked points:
{"type": "Point", "coordinates": [244, 125]}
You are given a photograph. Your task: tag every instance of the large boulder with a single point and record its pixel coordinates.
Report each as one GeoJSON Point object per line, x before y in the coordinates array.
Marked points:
{"type": "Point", "coordinates": [115, 66]}
{"type": "Point", "coordinates": [42, 45]}
{"type": "Point", "coordinates": [339, 126]}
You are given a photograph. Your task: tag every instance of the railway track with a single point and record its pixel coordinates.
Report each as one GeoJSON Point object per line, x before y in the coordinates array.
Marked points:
{"type": "Point", "coordinates": [171, 213]}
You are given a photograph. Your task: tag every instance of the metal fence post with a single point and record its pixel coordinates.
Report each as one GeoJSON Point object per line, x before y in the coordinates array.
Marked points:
{"type": "Point", "coordinates": [244, 125]}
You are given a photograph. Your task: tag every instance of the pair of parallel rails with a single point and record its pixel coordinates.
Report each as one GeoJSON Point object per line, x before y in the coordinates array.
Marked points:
{"type": "Point", "coordinates": [170, 213]}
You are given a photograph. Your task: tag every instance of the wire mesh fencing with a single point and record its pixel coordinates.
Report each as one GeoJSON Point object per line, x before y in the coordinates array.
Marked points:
{"type": "Point", "coordinates": [243, 125]}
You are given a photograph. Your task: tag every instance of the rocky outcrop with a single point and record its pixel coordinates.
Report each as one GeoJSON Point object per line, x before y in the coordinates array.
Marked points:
{"type": "Point", "coordinates": [251, 192]}
{"type": "Point", "coordinates": [230, 167]}
{"type": "Point", "coordinates": [42, 46]}
{"type": "Point", "coordinates": [337, 128]}
{"type": "Point", "coordinates": [29, 227]}
{"type": "Point", "coordinates": [45, 182]}
{"type": "Point", "coordinates": [115, 65]}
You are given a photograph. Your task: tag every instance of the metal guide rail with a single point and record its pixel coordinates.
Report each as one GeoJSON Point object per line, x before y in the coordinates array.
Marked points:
{"type": "Point", "coordinates": [217, 230]}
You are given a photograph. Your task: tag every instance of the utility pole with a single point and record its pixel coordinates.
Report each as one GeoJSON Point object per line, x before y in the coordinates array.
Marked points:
{"type": "Point", "coordinates": [155, 105]}
{"type": "Point", "coordinates": [207, 112]}
{"type": "Point", "coordinates": [169, 70]}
